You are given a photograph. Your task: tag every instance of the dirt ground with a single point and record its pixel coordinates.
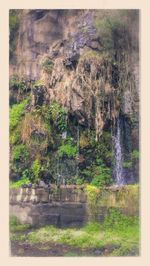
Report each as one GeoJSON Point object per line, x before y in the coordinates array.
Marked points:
{"type": "Point", "coordinates": [23, 249]}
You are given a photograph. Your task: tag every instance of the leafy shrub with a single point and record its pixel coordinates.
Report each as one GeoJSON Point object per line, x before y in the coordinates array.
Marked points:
{"type": "Point", "coordinates": [20, 153]}
{"type": "Point", "coordinates": [135, 155]}
{"type": "Point", "coordinates": [16, 112]}
{"type": "Point", "coordinates": [44, 113]}
{"type": "Point", "coordinates": [58, 116]}
{"type": "Point", "coordinates": [23, 181]}
{"type": "Point", "coordinates": [67, 149]}
{"type": "Point", "coordinates": [17, 83]}
{"type": "Point", "coordinates": [116, 220]}
{"type": "Point", "coordinates": [103, 148]}
{"type": "Point", "coordinates": [102, 176]}
{"type": "Point", "coordinates": [75, 180]}
{"type": "Point", "coordinates": [87, 172]}
{"type": "Point", "coordinates": [35, 170]}
{"type": "Point", "coordinates": [15, 136]}
{"type": "Point", "coordinates": [79, 181]}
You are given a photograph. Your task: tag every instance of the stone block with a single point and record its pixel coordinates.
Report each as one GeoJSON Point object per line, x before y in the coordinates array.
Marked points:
{"type": "Point", "coordinates": [40, 195]}
{"type": "Point", "coordinates": [68, 206]}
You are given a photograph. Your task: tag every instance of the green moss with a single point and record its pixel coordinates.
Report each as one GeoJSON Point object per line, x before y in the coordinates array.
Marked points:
{"type": "Point", "coordinates": [129, 196]}
{"type": "Point", "coordinates": [93, 201]}
{"type": "Point", "coordinates": [16, 113]}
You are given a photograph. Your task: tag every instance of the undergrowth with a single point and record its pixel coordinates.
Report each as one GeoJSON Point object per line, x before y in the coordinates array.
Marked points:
{"type": "Point", "coordinates": [117, 231]}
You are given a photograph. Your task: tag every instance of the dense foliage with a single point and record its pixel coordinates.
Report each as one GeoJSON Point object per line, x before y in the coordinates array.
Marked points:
{"type": "Point", "coordinates": [47, 139]}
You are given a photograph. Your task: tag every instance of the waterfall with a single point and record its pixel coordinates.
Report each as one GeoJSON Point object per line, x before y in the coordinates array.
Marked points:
{"type": "Point", "coordinates": [118, 169]}
{"type": "Point", "coordinates": [64, 135]}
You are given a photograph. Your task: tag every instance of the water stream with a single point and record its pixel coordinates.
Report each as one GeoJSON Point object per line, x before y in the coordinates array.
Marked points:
{"type": "Point", "coordinates": [118, 167]}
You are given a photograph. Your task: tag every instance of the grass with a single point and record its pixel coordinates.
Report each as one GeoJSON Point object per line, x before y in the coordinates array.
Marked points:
{"type": "Point", "coordinates": [71, 254]}
{"type": "Point", "coordinates": [16, 226]}
{"type": "Point", "coordinates": [124, 238]}
{"type": "Point", "coordinates": [18, 184]}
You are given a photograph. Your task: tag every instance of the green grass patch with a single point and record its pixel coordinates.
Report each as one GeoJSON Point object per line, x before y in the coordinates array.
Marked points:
{"type": "Point", "coordinates": [71, 254]}
{"type": "Point", "coordinates": [16, 226]}
{"type": "Point", "coordinates": [118, 231]}
{"type": "Point", "coordinates": [93, 235]}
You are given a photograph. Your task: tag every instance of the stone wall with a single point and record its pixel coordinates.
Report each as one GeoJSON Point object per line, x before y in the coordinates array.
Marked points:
{"type": "Point", "coordinates": [69, 205]}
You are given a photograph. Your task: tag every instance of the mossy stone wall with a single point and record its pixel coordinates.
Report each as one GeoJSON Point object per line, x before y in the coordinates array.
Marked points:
{"type": "Point", "coordinates": [71, 205]}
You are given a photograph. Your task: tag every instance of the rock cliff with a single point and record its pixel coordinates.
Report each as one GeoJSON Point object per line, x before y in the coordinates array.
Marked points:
{"type": "Point", "coordinates": [86, 64]}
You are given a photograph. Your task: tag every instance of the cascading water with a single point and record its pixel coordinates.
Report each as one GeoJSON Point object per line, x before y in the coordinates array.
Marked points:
{"type": "Point", "coordinates": [118, 168]}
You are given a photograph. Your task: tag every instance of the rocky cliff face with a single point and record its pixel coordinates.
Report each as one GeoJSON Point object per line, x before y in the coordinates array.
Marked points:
{"type": "Point", "coordinates": [86, 61]}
